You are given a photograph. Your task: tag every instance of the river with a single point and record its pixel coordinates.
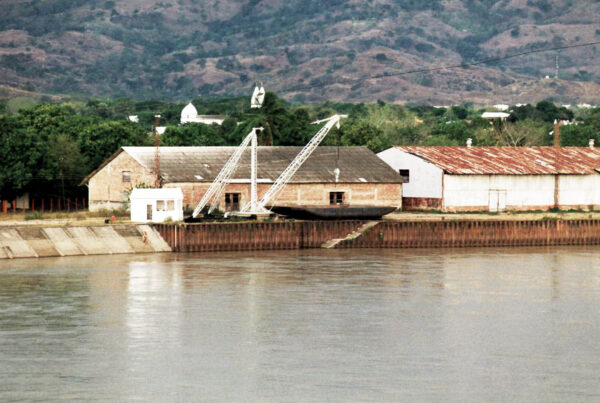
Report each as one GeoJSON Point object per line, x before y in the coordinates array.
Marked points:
{"type": "Point", "coordinates": [314, 325]}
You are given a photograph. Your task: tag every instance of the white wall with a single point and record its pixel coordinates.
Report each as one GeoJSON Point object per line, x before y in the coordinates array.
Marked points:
{"type": "Point", "coordinates": [521, 190]}
{"type": "Point", "coordinates": [425, 178]}
{"type": "Point", "coordinates": [579, 190]}
{"type": "Point", "coordinates": [139, 212]}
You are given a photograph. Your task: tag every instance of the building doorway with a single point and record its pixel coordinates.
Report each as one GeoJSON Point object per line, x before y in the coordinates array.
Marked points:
{"type": "Point", "coordinates": [148, 212]}
{"type": "Point", "coordinates": [497, 200]}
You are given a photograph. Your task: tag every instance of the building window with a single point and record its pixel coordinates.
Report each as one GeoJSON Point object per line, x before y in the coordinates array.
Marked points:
{"type": "Point", "coordinates": [160, 205]}
{"type": "Point", "coordinates": [405, 174]}
{"type": "Point", "coordinates": [126, 177]}
{"type": "Point", "coordinates": [232, 201]}
{"type": "Point", "coordinates": [336, 197]}
{"type": "Point", "coordinates": [170, 205]}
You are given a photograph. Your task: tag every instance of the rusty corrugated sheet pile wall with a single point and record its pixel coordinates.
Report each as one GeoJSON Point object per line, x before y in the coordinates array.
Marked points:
{"type": "Point", "coordinates": [385, 234]}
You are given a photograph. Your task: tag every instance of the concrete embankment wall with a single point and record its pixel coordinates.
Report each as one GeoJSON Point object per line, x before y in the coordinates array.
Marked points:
{"type": "Point", "coordinates": [35, 241]}
{"type": "Point", "coordinates": [385, 234]}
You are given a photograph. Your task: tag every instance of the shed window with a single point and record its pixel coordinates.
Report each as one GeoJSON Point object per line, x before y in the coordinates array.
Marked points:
{"type": "Point", "coordinates": [126, 177]}
{"type": "Point", "coordinates": [336, 197]}
{"type": "Point", "coordinates": [405, 174]}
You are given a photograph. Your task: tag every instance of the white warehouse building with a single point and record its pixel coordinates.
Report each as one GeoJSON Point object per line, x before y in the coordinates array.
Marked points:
{"type": "Point", "coordinates": [497, 178]}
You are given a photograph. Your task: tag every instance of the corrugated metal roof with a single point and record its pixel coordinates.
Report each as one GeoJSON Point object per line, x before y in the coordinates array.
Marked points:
{"type": "Point", "coordinates": [510, 160]}
{"type": "Point", "coordinates": [202, 164]}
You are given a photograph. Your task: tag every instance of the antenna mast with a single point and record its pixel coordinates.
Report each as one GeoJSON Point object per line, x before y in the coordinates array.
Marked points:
{"type": "Point", "coordinates": [157, 181]}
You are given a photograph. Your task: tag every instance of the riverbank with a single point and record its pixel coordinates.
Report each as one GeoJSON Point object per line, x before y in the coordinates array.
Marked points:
{"type": "Point", "coordinates": [48, 240]}
{"type": "Point", "coordinates": [68, 236]}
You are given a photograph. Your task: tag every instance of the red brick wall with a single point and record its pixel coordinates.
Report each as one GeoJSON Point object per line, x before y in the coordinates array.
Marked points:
{"type": "Point", "coordinates": [305, 193]}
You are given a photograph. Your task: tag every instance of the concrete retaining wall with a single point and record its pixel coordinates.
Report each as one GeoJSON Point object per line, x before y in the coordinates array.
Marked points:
{"type": "Point", "coordinates": [29, 241]}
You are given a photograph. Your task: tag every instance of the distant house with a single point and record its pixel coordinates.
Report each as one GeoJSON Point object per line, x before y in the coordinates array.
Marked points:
{"type": "Point", "coordinates": [363, 179]}
{"type": "Point", "coordinates": [497, 178]}
{"type": "Point", "coordinates": [495, 115]}
{"type": "Point", "coordinates": [501, 107]}
{"type": "Point", "coordinates": [189, 114]}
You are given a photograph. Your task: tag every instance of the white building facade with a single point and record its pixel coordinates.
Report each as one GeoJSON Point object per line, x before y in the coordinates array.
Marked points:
{"type": "Point", "coordinates": [497, 178]}
{"type": "Point", "coordinates": [156, 205]}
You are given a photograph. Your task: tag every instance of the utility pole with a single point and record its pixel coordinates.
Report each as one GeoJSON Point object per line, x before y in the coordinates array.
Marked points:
{"type": "Point", "coordinates": [556, 75]}
{"type": "Point", "coordinates": [157, 181]}
{"type": "Point", "coordinates": [557, 124]}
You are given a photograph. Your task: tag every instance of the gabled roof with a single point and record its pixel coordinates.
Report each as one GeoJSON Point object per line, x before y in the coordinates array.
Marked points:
{"type": "Point", "coordinates": [202, 164]}
{"type": "Point", "coordinates": [510, 160]}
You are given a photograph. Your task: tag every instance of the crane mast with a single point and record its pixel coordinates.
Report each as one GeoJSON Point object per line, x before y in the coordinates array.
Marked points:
{"type": "Point", "coordinates": [291, 169]}
{"type": "Point", "coordinates": [216, 189]}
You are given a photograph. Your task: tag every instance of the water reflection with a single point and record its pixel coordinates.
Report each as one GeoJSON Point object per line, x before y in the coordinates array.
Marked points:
{"type": "Point", "coordinates": [485, 324]}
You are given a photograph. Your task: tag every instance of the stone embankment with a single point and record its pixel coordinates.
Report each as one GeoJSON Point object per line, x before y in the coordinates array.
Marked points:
{"type": "Point", "coordinates": [47, 241]}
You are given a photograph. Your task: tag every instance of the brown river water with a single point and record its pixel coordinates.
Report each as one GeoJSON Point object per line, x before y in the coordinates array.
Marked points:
{"type": "Point", "coordinates": [515, 324]}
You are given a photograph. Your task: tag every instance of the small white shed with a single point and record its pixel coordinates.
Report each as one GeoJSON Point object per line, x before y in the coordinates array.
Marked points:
{"type": "Point", "coordinates": [156, 205]}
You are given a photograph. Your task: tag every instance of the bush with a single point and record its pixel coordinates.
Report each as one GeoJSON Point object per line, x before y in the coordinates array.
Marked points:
{"type": "Point", "coordinates": [380, 57]}
{"type": "Point", "coordinates": [34, 215]}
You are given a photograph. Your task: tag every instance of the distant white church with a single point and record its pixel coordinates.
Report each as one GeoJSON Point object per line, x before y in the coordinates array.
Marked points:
{"type": "Point", "coordinates": [189, 114]}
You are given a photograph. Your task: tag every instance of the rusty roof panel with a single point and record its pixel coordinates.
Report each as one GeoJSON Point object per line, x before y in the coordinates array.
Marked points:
{"type": "Point", "coordinates": [510, 160]}
{"type": "Point", "coordinates": [189, 164]}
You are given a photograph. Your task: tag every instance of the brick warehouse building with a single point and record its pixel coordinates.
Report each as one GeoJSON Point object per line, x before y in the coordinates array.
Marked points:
{"type": "Point", "coordinates": [364, 179]}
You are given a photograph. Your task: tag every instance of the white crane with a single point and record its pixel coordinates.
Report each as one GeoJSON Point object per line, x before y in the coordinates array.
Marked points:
{"type": "Point", "coordinates": [258, 96]}
{"type": "Point", "coordinates": [215, 191]}
{"type": "Point", "coordinates": [254, 208]}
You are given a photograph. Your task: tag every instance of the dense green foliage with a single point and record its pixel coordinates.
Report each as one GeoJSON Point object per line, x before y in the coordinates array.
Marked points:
{"type": "Point", "coordinates": [49, 148]}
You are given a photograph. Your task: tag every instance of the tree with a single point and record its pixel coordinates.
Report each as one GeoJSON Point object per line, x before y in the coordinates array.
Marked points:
{"type": "Point", "coordinates": [364, 134]}
{"type": "Point", "coordinates": [99, 141]}
{"type": "Point", "coordinates": [193, 134]}
{"type": "Point", "coordinates": [578, 135]}
{"type": "Point", "coordinates": [20, 157]}
{"type": "Point", "coordinates": [70, 167]}
{"type": "Point", "coordinates": [523, 133]}
{"type": "Point", "coordinates": [456, 131]}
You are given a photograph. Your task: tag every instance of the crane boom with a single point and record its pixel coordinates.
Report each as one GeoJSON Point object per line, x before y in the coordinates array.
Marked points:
{"type": "Point", "coordinates": [297, 162]}
{"type": "Point", "coordinates": [218, 186]}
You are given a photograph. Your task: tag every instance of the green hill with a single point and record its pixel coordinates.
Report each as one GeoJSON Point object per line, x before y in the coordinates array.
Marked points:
{"type": "Point", "coordinates": [307, 50]}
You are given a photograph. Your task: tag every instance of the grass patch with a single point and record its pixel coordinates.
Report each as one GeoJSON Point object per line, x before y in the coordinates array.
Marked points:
{"type": "Point", "coordinates": [34, 215]}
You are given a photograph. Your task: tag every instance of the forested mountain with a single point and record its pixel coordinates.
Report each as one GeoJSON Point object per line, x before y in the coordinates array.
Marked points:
{"type": "Point", "coordinates": [305, 50]}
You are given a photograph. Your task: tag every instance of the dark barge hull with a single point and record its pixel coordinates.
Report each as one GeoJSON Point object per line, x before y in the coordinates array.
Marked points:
{"type": "Point", "coordinates": [333, 212]}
